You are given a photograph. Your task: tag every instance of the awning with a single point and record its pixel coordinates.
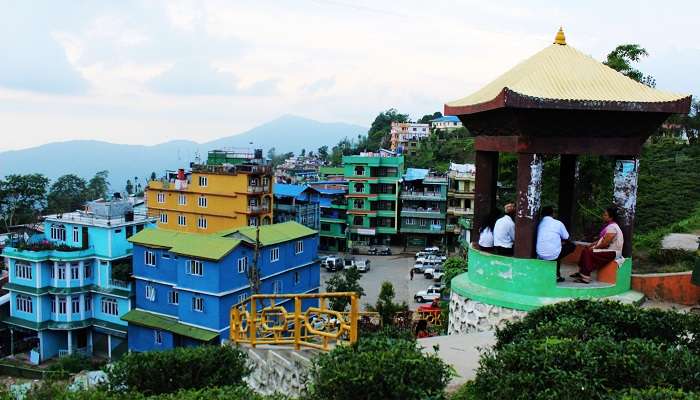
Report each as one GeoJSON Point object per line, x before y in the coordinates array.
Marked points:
{"type": "Point", "coordinates": [150, 320]}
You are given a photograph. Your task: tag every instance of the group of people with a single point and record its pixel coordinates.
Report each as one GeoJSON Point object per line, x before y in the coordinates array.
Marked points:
{"type": "Point", "coordinates": [497, 235]}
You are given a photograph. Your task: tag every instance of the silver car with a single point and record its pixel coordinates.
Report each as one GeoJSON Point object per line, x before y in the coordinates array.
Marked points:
{"type": "Point", "coordinates": [362, 265]}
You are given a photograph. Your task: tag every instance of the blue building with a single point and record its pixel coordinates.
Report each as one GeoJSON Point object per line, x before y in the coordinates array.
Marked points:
{"type": "Point", "coordinates": [186, 283]}
{"type": "Point", "coordinates": [298, 203]}
{"type": "Point", "coordinates": [64, 284]}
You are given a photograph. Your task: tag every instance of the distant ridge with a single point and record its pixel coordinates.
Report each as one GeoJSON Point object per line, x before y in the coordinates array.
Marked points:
{"type": "Point", "coordinates": [125, 161]}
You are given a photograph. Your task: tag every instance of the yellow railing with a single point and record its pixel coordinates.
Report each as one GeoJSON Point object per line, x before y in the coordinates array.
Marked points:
{"type": "Point", "coordinates": [261, 320]}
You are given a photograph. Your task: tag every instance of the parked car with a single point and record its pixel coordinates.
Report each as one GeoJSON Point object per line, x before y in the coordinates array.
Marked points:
{"type": "Point", "coordinates": [372, 251]}
{"type": "Point", "coordinates": [431, 257]}
{"type": "Point", "coordinates": [362, 265]}
{"type": "Point", "coordinates": [324, 260]}
{"type": "Point", "coordinates": [334, 263]}
{"type": "Point", "coordinates": [433, 249]}
{"type": "Point", "coordinates": [421, 266]}
{"type": "Point", "coordinates": [429, 273]}
{"type": "Point", "coordinates": [437, 275]}
{"type": "Point", "coordinates": [429, 294]}
{"type": "Point", "coordinates": [349, 263]}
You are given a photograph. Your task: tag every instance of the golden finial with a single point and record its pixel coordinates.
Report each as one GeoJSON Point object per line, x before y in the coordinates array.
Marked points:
{"type": "Point", "coordinates": [560, 38]}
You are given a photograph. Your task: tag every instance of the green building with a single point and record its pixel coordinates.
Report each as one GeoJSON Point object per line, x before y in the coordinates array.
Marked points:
{"type": "Point", "coordinates": [423, 208]}
{"type": "Point", "coordinates": [373, 192]}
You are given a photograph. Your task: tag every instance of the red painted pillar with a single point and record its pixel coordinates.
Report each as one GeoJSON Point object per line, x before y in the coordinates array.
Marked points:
{"type": "Point", "coordinates": [625, 197]}
{"type": "Point", "coordinates": [528, 196]}
{"type": "Point", "coordinates": [485, 182]}
{"type": "Point", "coordinates": [568, 174]}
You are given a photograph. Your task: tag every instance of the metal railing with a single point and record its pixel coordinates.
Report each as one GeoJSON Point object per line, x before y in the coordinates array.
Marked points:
{"type": "Point", "coordinates": [119, 284]}
{"type": "Point", "coordinates": [258, 189]}
{"type": "Point", "coordinates": [258, 209]}
{"type": "Point", "coordinates": [83, 351]}
{"type": "Point", "coordinates": [254, 323]}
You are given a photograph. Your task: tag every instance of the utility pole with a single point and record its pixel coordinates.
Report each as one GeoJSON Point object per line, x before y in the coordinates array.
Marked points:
{"type": "Point", "coordinates": [254, 271]}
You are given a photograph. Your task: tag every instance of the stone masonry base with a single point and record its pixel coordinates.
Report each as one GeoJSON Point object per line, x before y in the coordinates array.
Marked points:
{"type": "Point", "coordinates": [468, 316]}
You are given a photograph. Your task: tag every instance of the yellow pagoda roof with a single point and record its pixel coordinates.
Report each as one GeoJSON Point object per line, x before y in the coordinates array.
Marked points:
{"type": "Point", "coordinates": [560, 76]}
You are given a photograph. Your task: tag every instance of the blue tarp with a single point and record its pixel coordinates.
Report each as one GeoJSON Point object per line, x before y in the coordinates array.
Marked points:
{"type": "Point", "coordinates": [415, 174]}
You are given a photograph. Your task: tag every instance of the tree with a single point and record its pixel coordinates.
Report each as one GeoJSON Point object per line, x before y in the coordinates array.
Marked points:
{"type": "Point", "coordinates": [381, 128]}
{"type": "Point", "coordinates": [22, 198]}
{"type": "Point", "coordinates": [347, 280]}
{"type": "Point", "coordinates": [303, 152]}
{"type": "Point", "coordinates": [429, 117]}
{"type": "Point", "coordinates": [271, 153]}
{"type": "Point", "coordinates": [153, 176]}
{"type": "Point", "coordinates": [452, 267]}
{"type": "Point", "coordinates": [385, 305]}
{"type": "Point", "coordinates": [98, 186]}
{"type": "Point", "coordinates": [323, 153]}
{"type": "Point", "coordinates": [129, 187]}
{"type": "Point", "coordinates": [622, 58]}
{"type": "Point", "coordinates": [67, 194]}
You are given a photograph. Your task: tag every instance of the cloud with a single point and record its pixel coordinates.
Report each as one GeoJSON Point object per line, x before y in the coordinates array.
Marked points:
{"type": "Point", "coordinates": [194, 78]}
{"type": "Point", "coordinates": [321, 85]}
{"type": "Point", "coordinates": [267, 87]}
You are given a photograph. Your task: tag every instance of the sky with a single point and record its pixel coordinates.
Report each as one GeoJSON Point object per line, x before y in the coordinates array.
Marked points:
{"type": "Point", "coordinates": [150, 71]}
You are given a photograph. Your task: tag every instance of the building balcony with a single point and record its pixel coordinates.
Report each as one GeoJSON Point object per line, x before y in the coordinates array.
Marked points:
{"type": "Point", "coordinates": [460, 194]}
{"type": "Point", "coordinates": [258, 189]}
{"type": "Point", "coordinates": [422, 213]}
{"type": "Point", "coordinates": [116, 283]}
{"type": "Point", "coordinates": [332, 220]}
{"type": "Point", "coordinates": [258, 209]}
{"type": "Point", "coordinates": [49, 252]}
{"type": "Point", "coordinates": [435, 180]}
{"type": "Point", "coordinates": [435, 196]}
{"type": "Point", "coordinates": [386, 213]}
{"type": "Point", "coordinates": [432, 229]}
{"type": "Point", "coordinates": [459, 211]}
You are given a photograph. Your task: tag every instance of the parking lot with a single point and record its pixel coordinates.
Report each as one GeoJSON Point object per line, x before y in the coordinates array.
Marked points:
{"type": "Point", "coordinates": [394, 269]}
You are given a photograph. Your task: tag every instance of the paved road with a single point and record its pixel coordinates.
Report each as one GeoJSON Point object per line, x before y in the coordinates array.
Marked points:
{"type": "Point", "coordinates": [394, 269]}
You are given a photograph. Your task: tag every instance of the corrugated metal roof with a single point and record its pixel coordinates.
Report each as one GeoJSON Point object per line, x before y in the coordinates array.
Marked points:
{"type": "Point", "coordinates": [560, 72]}
{"type": "Point", "coordinates": [289, 190]}
{"type": "Point", "coordinates": [414, 174]}
{"type": "Point", "coordinates": [150, 320]}
{"type": "Point", "coordinates": [271, 234]}
{"type": "Point", "coordinates": [199, 245]}
{"type": "Point", "coordinates": [447, 118]}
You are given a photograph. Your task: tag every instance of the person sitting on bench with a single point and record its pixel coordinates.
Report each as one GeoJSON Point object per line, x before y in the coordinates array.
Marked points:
{"type": "Point", "coordinates": [486, 232]}
{"type": "Point", "coordinates": [606, 249]}
{"type": "Point", "coordinates": [504, 232]}
{"type": "Point", "coordinates": [553, 240]}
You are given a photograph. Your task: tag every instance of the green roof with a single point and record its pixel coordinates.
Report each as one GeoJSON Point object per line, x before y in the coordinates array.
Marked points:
{"type": "Point", "coordinates": [150, 320]}
{"type": "Point", "coordinates": [272, 234]}
{"type": "Point", "coordinates": [199, 245]}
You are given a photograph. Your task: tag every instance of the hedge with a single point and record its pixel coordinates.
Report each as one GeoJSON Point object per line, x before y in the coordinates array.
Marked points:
{"type": "Point", "coordinates": [379, 368]}
{"type": "Point", "coordinates": [159, 372]}
{"type": "Point", "coordinates": [218, 393]}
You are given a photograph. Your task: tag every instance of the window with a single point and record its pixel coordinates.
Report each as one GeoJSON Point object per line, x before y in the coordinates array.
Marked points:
{"type": "Point", "coordinates": [359, 170]}
{"type": "Point", "coordinates": [277, 287]}
{"type": "Point", "coordinates": [198, 304]}
{"type": "Point", "coordinates": [24, 304]}
{"type": "Point", "coordinates": [23, 271]}
{"type": "Point", "coordinates": [75, 304]}
{"type": "Point", "coordinates": [76, 234]}
{"type": "Point", "coordinates": [58, 232]}
{"type": "Point", "coordinates": [149, 258]}
{"type": "Point", "coordinates": [297, 278]}
{"type": "Point", "coordinates": [275, 254]}
{"type": "Point", "coordinates": [357, 220]}
{"type": "Point", "coordinates": [299, 246]}
{"type": "Point", "coordinates": [359, 187]}
{"type": "Point", "coordinates": [163, 218]}
{"type": "Point", "coordinates": [173, 297]}
{"type": "Point", "coordinates": [181, 220]}
{"type": "Point", "coordinates": [195, 267]}
{"type": "Point", "coordinates": [203, 181]}
{"type": "Point", "coordinates": [242, 297]}
{"type": "Point", "coordinates": [242, 265]}
{"type": "Point", "coordinates": [325, 227]}
{"type": "Point", "coordinates": [150, 293]}
{"type": "Point", "coordinates": [74, 271]}
{"type": "Point", "coordinates": [421, 222]}
{"type": "Point", "coordinates": [87, 271]}
{"type": "Point", "coordinates": [158, 336]}
{"type": "Point", "coordinates": [61, 305]}
{"type": "Point", "coordinates": [61, 271]}
{"type": "Point", "coordinates": [161, 197]}
{"type": "Point", "coordinates": [202, 201]}
{"type": "Point", "coordinates": [129, 231]}
{"type": "Point", "coordinates": [202, 223]}
{"type": "Point", "coordinates": [110, 306]}
{"type": "Point", "coordinates": [253, 221]}
{"type": "Point", "coordinates": [182, 199]}
{"type": "Point", "coordinates": [88, 303]}
{"type": "Point", "coordinates": [409, 221]}
{"type": "Point", "coordinates": [359, 203]}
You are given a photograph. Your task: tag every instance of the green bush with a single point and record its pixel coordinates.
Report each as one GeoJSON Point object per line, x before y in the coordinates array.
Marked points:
{"type": "Point", "coordinates": [658, 394]}
{"type": "Point", "coordinates": [379, 368]}
{"type": "Point", "coordinates": [452, 267]}
{"type": "Point", "coordinates": [59, 392]}
{"type": "Point", "coordinates": [73, 364]}
{"type": "Point", "coordinates": [159, 372]}
{"type": "Point", "coordinates": [575, 369]}
{"type": "Point", "coordinates": [583, 320]}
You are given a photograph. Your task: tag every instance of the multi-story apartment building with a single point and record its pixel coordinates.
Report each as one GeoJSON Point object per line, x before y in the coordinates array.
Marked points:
{"type": "Point", "coordinates": [232, 189]}
{"type": "Point", "coordinates": [423, 206]}
{"type": "Point", "coordinates": [333, 204]}
{"type": "Point", "coordinates": [373, 190]}
{"type": "Point", "coordinates": [447, 123]}
{"type": "Point", "coordinates": [298, 203]}
{"type": "Point", "coordinates": [406, 136]}
{"type": "Point", "coordinates": [460, 203]}
{"type": "Point", "coordinates": [186, 283]}
{"type": "Point", "coordinates": [64, 283]}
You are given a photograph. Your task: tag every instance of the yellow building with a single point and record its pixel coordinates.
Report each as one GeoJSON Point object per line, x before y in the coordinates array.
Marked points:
{"type": "Point", "coordinates": [213, 196]}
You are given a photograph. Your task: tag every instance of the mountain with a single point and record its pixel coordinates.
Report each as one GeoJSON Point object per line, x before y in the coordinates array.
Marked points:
{"type": "Point", "coordinates": [124, 161]}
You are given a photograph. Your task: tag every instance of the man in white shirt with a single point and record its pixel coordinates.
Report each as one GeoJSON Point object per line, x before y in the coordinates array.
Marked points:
{"type": "Point", "coordinates": [504, 232]}
{"type": "Point", "coordinates": [553, 240]}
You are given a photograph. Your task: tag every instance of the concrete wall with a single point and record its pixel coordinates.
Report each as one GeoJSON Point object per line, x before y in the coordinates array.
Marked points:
{"type": "Point", "coordinates": [468, 316]}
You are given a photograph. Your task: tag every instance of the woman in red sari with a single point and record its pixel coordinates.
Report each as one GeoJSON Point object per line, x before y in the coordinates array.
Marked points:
{"type": "Point", "coordinates": [607, 248]}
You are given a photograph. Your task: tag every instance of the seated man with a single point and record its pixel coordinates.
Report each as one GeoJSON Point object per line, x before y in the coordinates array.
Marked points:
{"type": "Point", "coordinates": [553, 240]}
{"type": "Point", "coordinates": [504, 232]}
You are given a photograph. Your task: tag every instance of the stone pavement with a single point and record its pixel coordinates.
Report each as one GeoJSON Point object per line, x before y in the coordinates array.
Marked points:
{"type": "Point", "coordinates": [682, 241]}
{"type": "Point", "coordinates": [460, 351]}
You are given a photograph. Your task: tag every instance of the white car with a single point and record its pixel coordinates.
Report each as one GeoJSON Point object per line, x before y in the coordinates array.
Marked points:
{"type": "Point", "coordinates": [437, 276]}
{"type": "Point", "coordinates": [431, 257]}
{"type": "Point", "coordinates": [429, 273]}
{"type": "Point", "coordinates": [429, 294]}
{"type": "Point", "coordinates": [362, 265]}
{"type": "Point", "coordinates": [333, 264]}
{"type": "Point", "coordinates": [433, 249]}
{"type": "Point", "coordinates": [421, 266]}
{"type": "Point", "coordinates": [349, 263]}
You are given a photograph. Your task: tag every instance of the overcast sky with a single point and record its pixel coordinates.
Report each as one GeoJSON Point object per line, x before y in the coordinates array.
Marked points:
{"type": "Point", "coordinates": [151, 71]}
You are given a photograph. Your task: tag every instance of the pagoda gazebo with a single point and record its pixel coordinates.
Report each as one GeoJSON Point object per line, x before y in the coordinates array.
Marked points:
{"type": "Point", "coordinates": [558, 102]}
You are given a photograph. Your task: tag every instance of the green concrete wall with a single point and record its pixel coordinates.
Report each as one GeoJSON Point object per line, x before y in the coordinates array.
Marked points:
{"type": "Point", "coordinates": [526, 284]}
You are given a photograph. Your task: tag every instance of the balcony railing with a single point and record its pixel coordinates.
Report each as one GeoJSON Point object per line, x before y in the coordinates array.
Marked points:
{"type": "Point", "coordinates": [258, 189]}
{"type": "Point", "coordinates": [422, 195]}
{"type": "Point", "coordinates": [258, 209]}
{"type": "Point", "coordinates": [459, 211]}
{"type": "Point", "coordinates": [119, 284]}
{"type": "Point", "coordinates": [83, 351]}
